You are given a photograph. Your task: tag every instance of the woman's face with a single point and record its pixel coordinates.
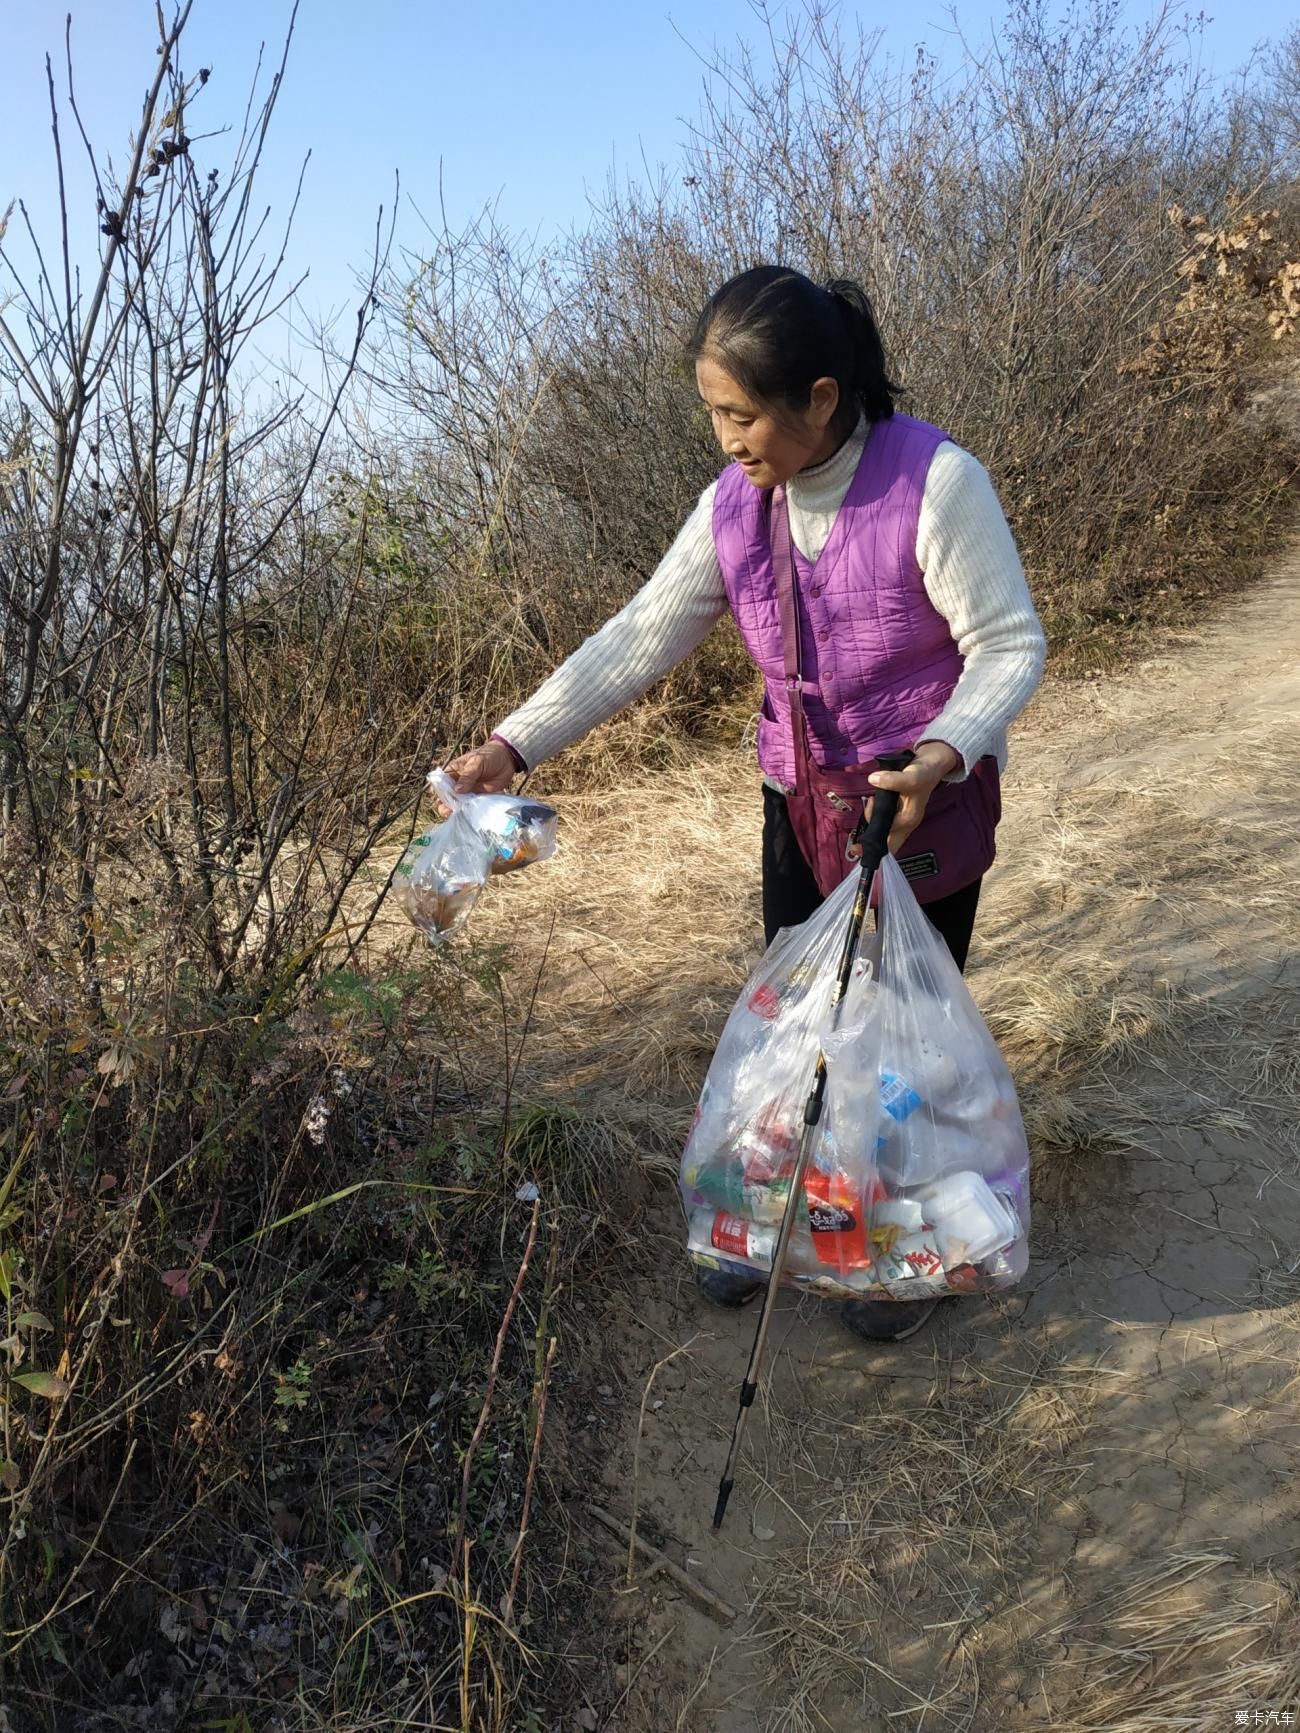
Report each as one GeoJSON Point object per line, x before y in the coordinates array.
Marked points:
{"type": "Point", "coordinates": [770, 449]}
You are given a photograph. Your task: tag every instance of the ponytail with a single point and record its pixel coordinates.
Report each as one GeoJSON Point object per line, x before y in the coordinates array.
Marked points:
{"type": "Point", "coordinates": [870, 381]}
{"type": "Point", "coordinates": [776, 332]}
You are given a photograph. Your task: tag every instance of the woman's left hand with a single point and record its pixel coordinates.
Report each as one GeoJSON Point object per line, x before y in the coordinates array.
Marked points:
{"type": "Point", "coordinates": [914, 786]}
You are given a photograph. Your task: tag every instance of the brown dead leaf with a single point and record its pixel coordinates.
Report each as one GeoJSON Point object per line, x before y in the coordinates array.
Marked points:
{"type": "Point", "coordinates": [117, 1064]}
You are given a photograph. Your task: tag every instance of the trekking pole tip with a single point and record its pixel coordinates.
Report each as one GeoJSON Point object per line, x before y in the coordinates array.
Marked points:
{"type": "Point", "coordinates": [720, 1509]}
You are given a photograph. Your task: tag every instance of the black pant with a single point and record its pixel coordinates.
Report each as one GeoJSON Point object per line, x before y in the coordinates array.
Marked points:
{"type": "Point", "coordinates": [790, 891]}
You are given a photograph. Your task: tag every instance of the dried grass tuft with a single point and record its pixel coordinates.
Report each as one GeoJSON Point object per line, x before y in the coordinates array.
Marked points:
{"type": "Point", "coordinates": [1176, 1644]}
{"type": "Point", "coordinates": [920, 1525]}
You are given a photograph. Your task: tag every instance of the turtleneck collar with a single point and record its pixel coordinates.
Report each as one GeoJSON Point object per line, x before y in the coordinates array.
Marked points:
{"type": "Point", "coordinates": [834, 473]}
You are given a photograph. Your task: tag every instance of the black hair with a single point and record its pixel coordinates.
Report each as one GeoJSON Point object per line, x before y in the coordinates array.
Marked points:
{"type": "Point", "coordinates": [776, 333]}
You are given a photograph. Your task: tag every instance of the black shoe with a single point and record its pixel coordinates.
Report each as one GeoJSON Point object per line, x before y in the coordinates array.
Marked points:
{"type": "Point", "coordinates": [724, 1289]}
{"type": "Point", "coordinates": [887, 1320]}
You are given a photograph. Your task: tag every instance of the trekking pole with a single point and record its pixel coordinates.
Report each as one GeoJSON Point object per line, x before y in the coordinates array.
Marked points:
{"type": "Point", "coordinates": [874, 837]}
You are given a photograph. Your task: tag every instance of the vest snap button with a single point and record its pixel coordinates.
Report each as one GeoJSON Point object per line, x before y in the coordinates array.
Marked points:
{"type": "Point", "coordinates": [815, 592]}
{"type": "Point", "coordinates": [822, 637]}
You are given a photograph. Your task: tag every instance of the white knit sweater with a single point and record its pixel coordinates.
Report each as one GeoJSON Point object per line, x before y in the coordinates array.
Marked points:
{"type": "Point", "coordinates": [972, 574]}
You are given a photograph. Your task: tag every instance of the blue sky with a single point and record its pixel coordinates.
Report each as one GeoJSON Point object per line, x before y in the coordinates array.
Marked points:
{"type": "Point", "coordinates": [529, 104]}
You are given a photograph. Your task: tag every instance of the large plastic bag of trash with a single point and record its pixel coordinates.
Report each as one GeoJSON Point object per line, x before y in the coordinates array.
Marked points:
{"type": "Point", "coordinates": [443, 871]}
{"type": "Point", "coordinates": [918, 1180]}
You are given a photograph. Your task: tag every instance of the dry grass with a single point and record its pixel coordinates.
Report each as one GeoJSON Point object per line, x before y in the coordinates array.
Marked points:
{"type": "Point", "coordinates": [1177, 1644]}
{"type": "Point", "coordinates": [934, 1491]}
{"type": "Point", "coordinates": [1142, 1017]}
{"type": "Point", "coordinates": [1132, 960]}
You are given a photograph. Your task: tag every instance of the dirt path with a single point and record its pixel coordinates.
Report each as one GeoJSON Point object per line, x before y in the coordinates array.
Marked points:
{"type": "Point", "coordinates": [1076, 1506]}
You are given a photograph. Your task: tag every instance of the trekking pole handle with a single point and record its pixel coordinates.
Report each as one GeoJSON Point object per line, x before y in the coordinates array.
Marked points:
{"type": "Point", "coordinates": [884, 810]}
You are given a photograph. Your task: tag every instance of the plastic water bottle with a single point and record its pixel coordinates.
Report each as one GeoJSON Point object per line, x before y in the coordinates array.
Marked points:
{"type": "Point", "coordinates": [897, 1097]}
{"type": "Point", "coordinates": [731, 1239]}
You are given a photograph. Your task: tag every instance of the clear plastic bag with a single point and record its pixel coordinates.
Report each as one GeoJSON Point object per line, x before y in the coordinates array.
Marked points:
{"type": "Point", "coordinates": [441, 875]}
{"type": "Point", "coordinates": [918, 1180]}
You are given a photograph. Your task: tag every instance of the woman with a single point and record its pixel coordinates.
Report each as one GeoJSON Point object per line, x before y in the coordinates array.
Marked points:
{"type": "Point", "coordinates": [869, 567]}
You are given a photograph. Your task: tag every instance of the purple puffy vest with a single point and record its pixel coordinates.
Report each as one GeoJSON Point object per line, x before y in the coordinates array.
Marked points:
{"type": "Point", "coordinates": [878, 660]}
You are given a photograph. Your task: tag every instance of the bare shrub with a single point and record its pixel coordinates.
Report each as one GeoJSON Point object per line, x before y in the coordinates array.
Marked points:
{"type": "Point", "coordinates": [1008, 214]}
{"type": "Point", "coordinates": [232, 1194]}
{"type": "Point", "coordinates": [1281, 99]}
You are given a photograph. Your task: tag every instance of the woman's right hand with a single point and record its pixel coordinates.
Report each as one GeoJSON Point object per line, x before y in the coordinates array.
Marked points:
{"type": "Point", "coordinates": [489, 769]}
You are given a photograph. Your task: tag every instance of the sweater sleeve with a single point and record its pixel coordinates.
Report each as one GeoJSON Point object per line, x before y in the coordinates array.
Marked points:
{"type": "Point", "coordinates": [668, 617]}
{"type": "Point", "coordinates": [974, 578]}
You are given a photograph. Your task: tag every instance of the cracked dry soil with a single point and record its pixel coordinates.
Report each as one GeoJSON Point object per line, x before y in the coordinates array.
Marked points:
{"type": "Point", "coordinates": [1074, 1506]}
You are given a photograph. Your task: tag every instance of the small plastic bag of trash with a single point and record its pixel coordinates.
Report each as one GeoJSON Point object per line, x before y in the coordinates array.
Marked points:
{"type": "Point", "coordinates": [442, 873]}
